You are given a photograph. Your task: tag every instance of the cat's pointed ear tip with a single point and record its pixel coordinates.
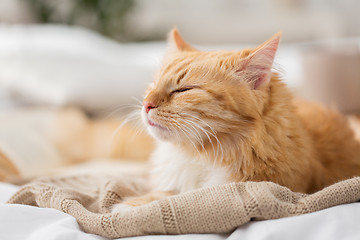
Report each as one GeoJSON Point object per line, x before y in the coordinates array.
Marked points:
{"type": "Point", "coordinates": [277, 36]}
{"type": "Point", "coordinates": [176, 39]}
{"type": "Point", "coordinates": [274, 40]}
{"type": "Point", "coordinates": [174, 31]}
{"type": "Point", "coordinates": [174, 34]}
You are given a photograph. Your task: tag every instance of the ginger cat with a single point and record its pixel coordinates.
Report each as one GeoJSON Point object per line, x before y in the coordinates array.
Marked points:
{"type": "Point", "coordinates": [223, 116]}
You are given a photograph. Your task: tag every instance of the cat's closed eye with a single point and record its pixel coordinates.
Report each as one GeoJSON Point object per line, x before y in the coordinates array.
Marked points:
{"type": "Point", "coordinates": [181, 90]}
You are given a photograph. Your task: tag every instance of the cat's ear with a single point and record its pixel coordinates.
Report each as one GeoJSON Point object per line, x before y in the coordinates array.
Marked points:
{"type": "Point", "coordinates": [256, 67]}
{"type": "Point", "coordinates": [177, 42]}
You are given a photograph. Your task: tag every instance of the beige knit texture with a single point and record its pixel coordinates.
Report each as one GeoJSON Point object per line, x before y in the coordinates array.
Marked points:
{"type": "Point", "coordinates": [210, 210]}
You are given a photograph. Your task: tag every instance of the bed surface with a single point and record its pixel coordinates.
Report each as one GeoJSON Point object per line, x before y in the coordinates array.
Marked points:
{"type": "Point", "coordinates": [27, 222]}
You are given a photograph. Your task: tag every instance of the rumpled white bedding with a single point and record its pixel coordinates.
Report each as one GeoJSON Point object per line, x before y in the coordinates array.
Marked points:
{"type": "Point", "coordinates": [33, 223]}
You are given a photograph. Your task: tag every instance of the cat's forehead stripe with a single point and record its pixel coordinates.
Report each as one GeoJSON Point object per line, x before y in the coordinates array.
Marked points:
{"type": "Point", "coordinates": [177, 69]}
{"type": "Point", "coordinates": [181, 76]}
{"type": "Point", "coordinates": [169, 68]}
{"type": "Point", "coordinates": [181, 66]}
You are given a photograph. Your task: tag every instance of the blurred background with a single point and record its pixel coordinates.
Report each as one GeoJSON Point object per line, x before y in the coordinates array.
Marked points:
{"type": "Point", "coordinates": [71, 69]}
{"type": "Point", "coordinates": [215, 21]}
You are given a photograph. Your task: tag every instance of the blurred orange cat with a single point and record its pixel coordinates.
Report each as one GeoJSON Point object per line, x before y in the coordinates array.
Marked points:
{"type": "Point", "coordinates": [224, 116]}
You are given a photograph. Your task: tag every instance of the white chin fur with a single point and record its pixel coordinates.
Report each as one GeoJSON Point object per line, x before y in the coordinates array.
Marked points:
{"type": "Point", "coordinates": [175, 170]}
{"type": "Point", "coordinates": [159, 134]}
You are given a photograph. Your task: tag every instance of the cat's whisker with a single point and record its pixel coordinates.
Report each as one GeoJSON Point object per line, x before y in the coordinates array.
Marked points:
{"type": "Point", "coordinates": [208, 137]}
{"type": "Point", "coordinates": [178, 125]}
{"type": "Point", "coordinates": [190, 132]}
{"type": "Point", "coordinates": [177, 128]}
{"type": "Point", "coordinates": [129, 117]}
{"type": "Point", "coordinates": [122, 108]}
{"type": "Point", "coordinates": [204, 131]}
{"type": "Point", "coordinates": [137, 100]}
{"type": "Point", "coordinates": [215, 153]}
{"type": "Point", "coordinates": [188, 137]}
{"type": "Point", "coordinates": [139, 126]}
{"type": "Point", "coordinates": [186, 133]}
{"type": "Point", "coordinates": [200, 140]}
{"type": "Point", "coordinates": [212, 133]}
{"type": "Point", "coordinates": [218, 145]}
{"type": "Point", "coordinates": [201, 120]}
{"type": "Point", "coordinates": [190, 123]}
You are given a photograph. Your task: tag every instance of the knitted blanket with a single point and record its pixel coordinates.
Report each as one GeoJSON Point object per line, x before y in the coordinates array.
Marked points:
{"type": "Point", "coordinates": [210, 210]}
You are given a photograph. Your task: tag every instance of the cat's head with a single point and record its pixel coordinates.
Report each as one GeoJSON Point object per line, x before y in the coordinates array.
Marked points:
{"type": "Point", "coordinates": [198, 96]}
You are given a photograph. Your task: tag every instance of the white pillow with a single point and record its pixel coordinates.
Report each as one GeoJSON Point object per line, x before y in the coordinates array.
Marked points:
{"type": "Point", "coordinates": [58, 65]}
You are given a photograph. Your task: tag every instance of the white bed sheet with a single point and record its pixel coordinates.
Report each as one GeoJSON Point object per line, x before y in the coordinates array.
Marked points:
{"type": "Point", "coordinates": [32, 223]}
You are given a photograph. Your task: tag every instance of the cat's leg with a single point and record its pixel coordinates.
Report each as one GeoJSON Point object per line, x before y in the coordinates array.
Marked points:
{"type": "Point", "coordinates": [140, 200]}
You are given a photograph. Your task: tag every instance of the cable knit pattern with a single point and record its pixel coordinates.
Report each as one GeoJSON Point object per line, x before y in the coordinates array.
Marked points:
{"type": "Point", "coordinates": [210, 210]}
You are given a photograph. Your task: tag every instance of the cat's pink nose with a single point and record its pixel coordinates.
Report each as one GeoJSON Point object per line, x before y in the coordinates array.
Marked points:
{"type": "Point", "coordinates": [148, 106]}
